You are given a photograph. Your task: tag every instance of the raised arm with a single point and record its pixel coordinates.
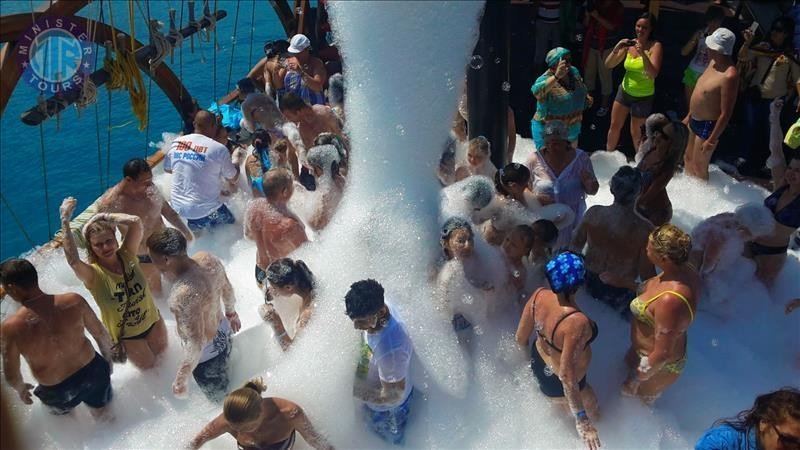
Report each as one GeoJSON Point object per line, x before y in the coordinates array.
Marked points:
{"type": "Point", "coordinates": [213, 430]}
{"type": "Point", "coordinates": [652, 62]}
{"type": "Point", "coordinates": [689, 47]}
{"type": "Point", "coordinates": [776, 161]}
{"type": "Point", "coordinates": [11, 365]}
{"type": "Point", "coordinates": [133, 238]}
{"type": "Point", "coordinates": [176, 221]}
{"type": "Point", "coordinates": [302, 424]}
{"type": "Point", "coordinates": [83, 271]}
{"type": "Point", "coordinates": [617, 54]}
{"type": "Point", "coordinates": [581, 233]}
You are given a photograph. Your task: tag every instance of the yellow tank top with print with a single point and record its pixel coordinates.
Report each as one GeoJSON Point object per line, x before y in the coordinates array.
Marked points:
{"type": "Point", "coordinates": [636, 82]}
{"type": "Point", "coordinates": [109, 293]}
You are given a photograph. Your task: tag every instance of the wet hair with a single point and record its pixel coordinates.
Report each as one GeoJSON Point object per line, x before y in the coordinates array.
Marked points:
{"type": "Point", "coordinates": [246, 86]}
{"type": "Point", "coordinates": [19, 272]}
{"type": "Point", "coordinates": [244, 404]}
{"type": "Point", "coordinates": [95, 228]}
{"type": "Point", "coordinates": [672, 242]}
{"type": "Point", "coordinates": [167, 242]}
{"type": "Point", "coordinates": [325, 157]}
{"type": "Point", "coordinates": [511, 173]}
{"type": "Point", "coordinates": [135, 167]}
{"type": "Point", "coordinates": [626, 185]}
{"type": "Point", "coordinates": [482, 144]}
{"type": "Point", "coordinates": [756, 217]}
{"type": "Point", "coordinates": [527, 233]}
{"type": "Point", "coordinates": [326, 137]}
{"type": "Point", "coordinates": [566, 272]}
{"type": "Point", "coordinates": [545, 230]}
{"type": "Point", "coordinates": [275, 48]}
{"type": "Point", "coordinates": [677, 144]}
{"type": "Point", "coordinates": [451, 225]}
{"type": "Point", "coordinates": [653, 23]}
{"type": "Point", "coordinates": [772, 408]}
{"type": "Point", "coordinates": [275, 181]}
{"type": "Point", "coordinates": [364, 298]}
{"type": "Point", "coordinates": [261, 139]}
{"type": "Point", "coordinates": [281, 145]}
{"type": "Point", "coordinates": [714, 12]}
{"type": "Point", "coordinates": [336, 89]}
{"type": "Point", "coordinates": [478, 191]}
{"type": "Point", "coordinates": [292, 102]}
{"type": "Point", "coordinates": [286, 272]}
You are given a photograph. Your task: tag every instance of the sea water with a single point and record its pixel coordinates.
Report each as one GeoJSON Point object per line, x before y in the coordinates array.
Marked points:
{"type": "Point", "coordinates": [483, 396]}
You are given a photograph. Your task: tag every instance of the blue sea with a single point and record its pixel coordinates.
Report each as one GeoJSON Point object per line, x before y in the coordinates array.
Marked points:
{"type": "Point", "coordinates": [81, 158]}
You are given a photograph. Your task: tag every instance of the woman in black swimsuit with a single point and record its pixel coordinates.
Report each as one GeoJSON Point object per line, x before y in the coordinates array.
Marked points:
{"type": "Point", "coordinates": [769, 252]}
{"type": "Point", "coordinates": [561, 355]}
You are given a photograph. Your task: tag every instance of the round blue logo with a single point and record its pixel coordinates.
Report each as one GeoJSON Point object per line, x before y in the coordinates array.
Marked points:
{"type": "Point", "coordinates": [55, 55]}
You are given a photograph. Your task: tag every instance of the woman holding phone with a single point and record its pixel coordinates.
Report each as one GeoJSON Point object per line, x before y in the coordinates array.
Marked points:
{"type": "Point", "coordinates": [642, 58]}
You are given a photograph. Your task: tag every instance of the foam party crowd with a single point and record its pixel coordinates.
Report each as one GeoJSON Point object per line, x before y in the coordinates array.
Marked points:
{"type": "Point", "coordinates": [313, 269]}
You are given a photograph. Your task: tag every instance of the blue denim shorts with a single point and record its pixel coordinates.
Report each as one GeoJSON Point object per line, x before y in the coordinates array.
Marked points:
{"type": "Point", "coordinates": [222, 216]}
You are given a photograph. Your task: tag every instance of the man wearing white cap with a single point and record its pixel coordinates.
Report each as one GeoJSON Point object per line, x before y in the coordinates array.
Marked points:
{"type": "Point", "coordinates": [711, 104]}
{"type": "Point", "coordinates": [305, 74]}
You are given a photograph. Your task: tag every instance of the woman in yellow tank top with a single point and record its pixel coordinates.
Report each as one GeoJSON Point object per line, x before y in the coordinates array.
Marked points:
{"type": "Point", "coordinates": [642, 61]}
{"type": "Point", "coordinates": [662, 314]}
{"type": "Point", "coordinates": [117, 283]}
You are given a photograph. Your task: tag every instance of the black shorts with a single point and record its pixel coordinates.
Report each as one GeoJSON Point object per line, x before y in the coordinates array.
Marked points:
{"type": "Point", "coordinates": [549, 383]}
{"type": "Point", "coordinates": [212, 375]}
{"type": "Point", "coordinates": [640, 107]}
{"type": "Point", "coordinates": [616, 297]}
{"type": "Point", "coordinates": [91, 384]}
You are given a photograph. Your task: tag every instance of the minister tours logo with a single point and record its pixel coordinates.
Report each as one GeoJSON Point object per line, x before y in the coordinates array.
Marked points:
{"type": "Point", "coordinates": [55, 54]}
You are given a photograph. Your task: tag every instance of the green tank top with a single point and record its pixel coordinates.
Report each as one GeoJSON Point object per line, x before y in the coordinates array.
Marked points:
{"type": "Point", "coordinates": [636, 82]}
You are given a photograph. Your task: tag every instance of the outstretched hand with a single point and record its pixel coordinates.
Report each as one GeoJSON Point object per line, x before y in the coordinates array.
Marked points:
{"type": "Point", "coordinates": [67, 209]}
{"type": "Point", "coordinates": [588, 433]}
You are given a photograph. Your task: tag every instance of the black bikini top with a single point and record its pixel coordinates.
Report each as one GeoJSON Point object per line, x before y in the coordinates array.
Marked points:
{"type": "Point", "coordinates": [549, 342]}
{"type": "Point", "coordinates": [790, 214]}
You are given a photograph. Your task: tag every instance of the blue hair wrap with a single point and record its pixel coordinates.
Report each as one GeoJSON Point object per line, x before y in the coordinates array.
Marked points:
{"type": "Point", "coordinates": [565, 272]}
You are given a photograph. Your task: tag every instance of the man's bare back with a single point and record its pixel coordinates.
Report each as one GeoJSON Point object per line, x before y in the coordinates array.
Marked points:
{"type": "Point", "coordinates": [706, 101]}
{"type": "Point", "coordinates": [613, 230]}
{"type": "Point", "coordinates": [277, 233]}
{"type": "Point", "coordinates": [54, 346]}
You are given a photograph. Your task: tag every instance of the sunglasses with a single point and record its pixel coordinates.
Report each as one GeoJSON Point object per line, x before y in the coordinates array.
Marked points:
{"type": "Point", "coordinates": [787, 440]}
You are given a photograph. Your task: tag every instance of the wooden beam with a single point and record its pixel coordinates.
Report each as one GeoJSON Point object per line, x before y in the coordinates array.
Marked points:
{"type": "Point", "coordinates": [285, 14]}
{"type": "Point", "coordinates": [164, 77]}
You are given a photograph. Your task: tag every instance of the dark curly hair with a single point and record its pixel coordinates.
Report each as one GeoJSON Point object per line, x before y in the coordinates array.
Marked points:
{"type": "Point", "coordinates": [365, 297]}
{"type": "Point", "coordinates": [285, 271]}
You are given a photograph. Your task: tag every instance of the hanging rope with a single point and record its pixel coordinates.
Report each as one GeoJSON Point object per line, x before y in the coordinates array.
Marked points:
{"type": "Point", "coordinates": [159, 42]}
{"type": "Point", "coordinates": [125, 72]}
{"type": "Point", "coordinates": [17, 221]}
{"type": "Point", "coordinates": [192, 22]}
{"type": "Point", "coordinates": [212, 21]}
{"type": "Point", "coordinates": [233, 45]}
{"type": "Point", "coordinates": [174, 34]}
{"type": "Point", "coordinates": [252, 33]}
{"type": "Point", "coordinates": [97, 111]}
{"type": "Point", "coordinates": [215, 49]}
{"type": "Point", "coordinates": [44, 181]}
{"type": "Point", "coordinates": [88, 93]}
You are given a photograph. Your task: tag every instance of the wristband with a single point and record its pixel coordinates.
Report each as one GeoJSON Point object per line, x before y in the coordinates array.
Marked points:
{"type": "Point", "coordinates": [581, 415]}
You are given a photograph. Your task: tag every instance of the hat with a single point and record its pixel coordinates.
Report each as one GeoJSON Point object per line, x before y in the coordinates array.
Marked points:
{"type": "Point", "coordinates": [555, 55]}
{"type": "Point", "coordinates": [721, 40]}
{"type": "Point", "coordinates": [555, 128]}
{"type": "Point", "coordinates": [565, 272]}
{"type": "Point", "coordinates": [298, 43]}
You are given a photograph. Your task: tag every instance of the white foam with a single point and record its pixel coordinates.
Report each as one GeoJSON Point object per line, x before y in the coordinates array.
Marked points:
{"type": "Point", "coordinates": [405, 60]}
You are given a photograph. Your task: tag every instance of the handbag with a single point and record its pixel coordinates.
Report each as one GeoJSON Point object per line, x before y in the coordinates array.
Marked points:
{"type": "Point", "coordinates": [118, 353]}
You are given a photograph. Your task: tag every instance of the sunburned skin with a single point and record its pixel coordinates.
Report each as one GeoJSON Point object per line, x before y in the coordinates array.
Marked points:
{"type": "Point", "coordinates": [276, 230]}
{"type": "Point", "coordinates": [195, 301]}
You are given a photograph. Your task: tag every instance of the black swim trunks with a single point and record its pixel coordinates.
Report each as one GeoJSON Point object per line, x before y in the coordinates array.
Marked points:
{"type": "Point", "coordinates": [285, 444]}
{"type": "Point", "coordinates": [549, 383]}
{"type": "Point", "coordinates": [616, 297]}
{"type": "Point", "coordinates": [261, 277]}
{"type": "Point", "coordinates": [212, 375]}
{"type": "Point", "coordinates": [91, 384]}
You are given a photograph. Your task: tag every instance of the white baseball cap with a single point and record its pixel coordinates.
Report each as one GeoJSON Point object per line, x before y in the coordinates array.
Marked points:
{"type": "Point", "coordinates": [298, 43]}
{"type": "Point", "coordinates": [721, 40]}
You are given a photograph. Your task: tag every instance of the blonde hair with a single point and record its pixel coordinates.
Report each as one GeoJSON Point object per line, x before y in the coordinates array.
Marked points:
{"type": "Point", "coordinates": [244, 404]}
{"type": "Point", "coordinates": [482, 144]}
{"type": "Point", "coordinates": [672, 242]}
{"type": "Point", "coordinates": [93, 229]}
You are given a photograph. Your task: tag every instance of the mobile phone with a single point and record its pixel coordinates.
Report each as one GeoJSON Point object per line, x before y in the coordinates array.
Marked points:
{"type": "Point", "coordinates": [630, 43]}
{"type": "Point", "coordinates": [753, 27]}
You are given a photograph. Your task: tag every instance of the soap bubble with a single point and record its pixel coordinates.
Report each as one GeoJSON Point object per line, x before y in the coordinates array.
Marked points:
{"type": "Point", "coordinates": [476, 62]}
{"type": "Point", "coordinates": [401, 131]}
{"type": "Point", "coordinates": [497, 60]}
{"type": "Point", "coordinates": [506, 86]}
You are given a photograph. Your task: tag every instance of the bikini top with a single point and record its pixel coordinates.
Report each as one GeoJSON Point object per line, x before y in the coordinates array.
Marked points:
{"type": "Point", "coordinates": [555, 327]}
{"type": "Point", "coordinates": [639, 308]}
{"type": "Point", "coordinates": [790, 214]}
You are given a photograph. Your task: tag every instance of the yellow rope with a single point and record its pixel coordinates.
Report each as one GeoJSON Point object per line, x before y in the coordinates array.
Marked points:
{"type": "Point", "coordinates": [125, 72]}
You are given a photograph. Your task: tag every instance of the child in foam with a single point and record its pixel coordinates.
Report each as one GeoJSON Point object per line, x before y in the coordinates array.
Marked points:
{"type": "Point", "coordinates": [478, 160]}
{"type": "Point", "coordinates": [516, 246]}
{"type": "Point", "coordinates": [561, 354]}
{"type": "Point", "coordinates": [287, 278]}
{"type": "Point", "coordinates": [382, 381]}
{"type": "Point", "coordinates": [260, 423]}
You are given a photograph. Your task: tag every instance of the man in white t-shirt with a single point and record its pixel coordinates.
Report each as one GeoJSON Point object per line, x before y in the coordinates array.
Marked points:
{"type": "Point", "coordinates": [382, 376]}
{"type": "Point", "coordinates": [199, 164]}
